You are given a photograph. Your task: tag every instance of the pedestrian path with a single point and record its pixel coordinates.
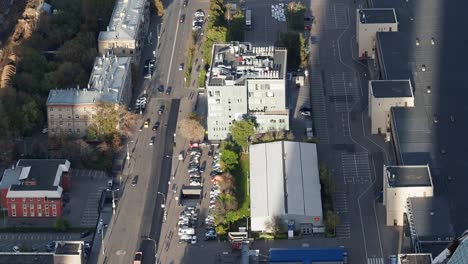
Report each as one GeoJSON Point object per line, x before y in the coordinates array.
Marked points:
{"type": "Point", "coordinates": [319, 108]}
{"type": "Point", "coordinates": [375, 260]}
{"type": "Point", "coordinates": [355, 168]}
{"type": "Point", "coordinates": [340, 202]}
{"type": "Point", "coordinates": [343, 230]}
{"type": "Point", "coordinates": [91, 213]}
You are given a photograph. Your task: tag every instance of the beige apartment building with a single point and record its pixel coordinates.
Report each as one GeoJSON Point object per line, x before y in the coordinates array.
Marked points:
{"type": "Point", "coordinates": [369, 22]}
{"type": "Point", "coordinates": [401, 183]}
{"type": "Point", "coordinates": [71, 111]}
{"type": "Point", "coordinates": [383, 95]}
{"type": "Point", "coordinates": [127, 29]}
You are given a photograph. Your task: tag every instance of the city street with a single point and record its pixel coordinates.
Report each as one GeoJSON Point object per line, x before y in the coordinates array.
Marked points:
{"type": "Point", "coordinates": [139, 214]}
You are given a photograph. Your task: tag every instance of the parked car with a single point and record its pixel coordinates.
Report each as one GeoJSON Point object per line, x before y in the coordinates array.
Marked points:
{"type": "Point", "coordinates": [168, 90]}
{"type": "Point", "coordinates": [16, 249]}
{"type": "Point", "coordinates": [135, 180]}
{"type": "Point", "coordinates": [161, 110]}
{"type": "Point", "coordinates": [160, 88]}
{"type": "Point", "coordinates": [156, 126]}
{"type": "Point", "coordinates": [182, 18]}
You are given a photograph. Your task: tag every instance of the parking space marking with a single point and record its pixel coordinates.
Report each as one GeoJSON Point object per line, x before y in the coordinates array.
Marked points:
{"type": "Point", "coordinates": [345, 125]}
{"type": "Point", "coordinates": [319, 108]}
{"type": "Point", "coordinates": [340, 202]}
{"type": "Point", "coordinates": [343, 230]}
{"type": "Point", "coordinates": [344, 90]}
{"type": "Point", "coordinates": [90, 213]}
{"type": "Point", "coordinates": [375, 261]}
{"type": "Point", "coordinates": [355, 167]}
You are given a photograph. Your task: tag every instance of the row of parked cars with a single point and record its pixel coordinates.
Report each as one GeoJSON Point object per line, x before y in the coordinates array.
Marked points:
{"type": "Point", "coordinates": [210, 233]}
{"type": "Point", "coordinates": [186, 226]}
{"type": "Point", "coordinates": [197, 23]}
{"type": "Point", "coordinates": [194, 166]}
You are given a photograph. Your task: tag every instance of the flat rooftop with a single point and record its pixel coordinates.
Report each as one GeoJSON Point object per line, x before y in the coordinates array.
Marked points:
{"type": "Point", "coordinates": [234, 63]}
{"type": "Point", "coordinates": [414, 258]}
{"type": "Point", "coordinates": [125, 20]}
{"type": "Point", "coordinates": [391, 88]}
{"type": "Point", "coordinates": [411, 131]}
{"type": "Point", "coordinates": [68, 248]}
{"type": "Point", "coordinates": [407, 176]}
{"type": "Point", "coordinates": [432, 222]}
{"type": "Point", "coordinates": [393, 49]}
{"type": "Point", "coordinates": [26, 258]}
{"type": "Point", "coordinates": [377, 16]}
{"type": "Point", "coordinates": [43, 171]}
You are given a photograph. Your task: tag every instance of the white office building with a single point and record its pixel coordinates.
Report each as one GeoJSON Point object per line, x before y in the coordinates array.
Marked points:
{"type": "Point", "coordinates": [246, 81]}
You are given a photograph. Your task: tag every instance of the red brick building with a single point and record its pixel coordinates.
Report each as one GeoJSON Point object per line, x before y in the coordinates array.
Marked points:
{"type": "Point", "coordinates": [34, 187]}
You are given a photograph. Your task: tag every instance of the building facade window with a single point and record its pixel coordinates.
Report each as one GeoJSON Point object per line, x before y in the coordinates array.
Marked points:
{"type": "Point", "coordinates": [13, 212]}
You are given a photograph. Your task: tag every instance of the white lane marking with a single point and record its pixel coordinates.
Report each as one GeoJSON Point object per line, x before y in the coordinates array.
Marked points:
{"type": "Point", "coordinates": [173, 48]}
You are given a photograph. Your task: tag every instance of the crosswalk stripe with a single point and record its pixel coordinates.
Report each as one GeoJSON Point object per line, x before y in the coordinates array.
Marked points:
{"type": "Point", "coordinates": [375, 261]}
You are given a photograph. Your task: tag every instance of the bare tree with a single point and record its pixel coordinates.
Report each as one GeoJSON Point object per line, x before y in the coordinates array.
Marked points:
{"type": "Point", "coordinates": [191, 129]}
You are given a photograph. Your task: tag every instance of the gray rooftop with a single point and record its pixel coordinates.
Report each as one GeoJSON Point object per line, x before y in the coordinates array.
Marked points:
{"type": "Point", "coordinates": [270, 193]}
{"type": "Point", "coordinates": [411, 131]}
{"type": "Point", "coordinates": [125, 20]}
{"type": "Point", "coordinates": [460, 256]}
{"type": "Point", "coordinates": [415, 258]}
{"type": "Point", "coordinates": [235, 62]}
{"type": "Point", "coordinates": [26, 258]}
{"type": "Point", "coordinates": [110, 74]}
{"type": "Point", "coordinates": [405, 176]}
{"type": "Point", "coordinates": [68, 248]}
{"type": "Point", "coordinates": [377, 16]}
{"type": "Point", "coordinates": [394, 55]}
{"type": "Point", "coordinates": [391, 88]}
{"type": "Point", "coordinates": [106, 84]}
{"type": "Point", "coordinates": [43, 171]}
{"type": "Point", "coordinates": [431, 219]}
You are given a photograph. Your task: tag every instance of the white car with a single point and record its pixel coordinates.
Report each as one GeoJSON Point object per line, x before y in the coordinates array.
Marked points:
{"type": "Point", "coordinates": [16, 249]}
{"type": "Point", "coordinates": [194, 240]}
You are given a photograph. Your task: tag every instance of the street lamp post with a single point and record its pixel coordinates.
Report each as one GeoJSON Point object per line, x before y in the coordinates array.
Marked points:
{"type": "Point", "coordinates": [102, 240]}
{"type": "Point", "coordinates": [163, 205]}
{"type": "Point", "coordinates": [113, 199]}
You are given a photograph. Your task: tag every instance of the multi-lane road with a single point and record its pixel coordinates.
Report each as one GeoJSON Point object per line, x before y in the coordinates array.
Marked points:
{"type": "Point", "coordinates": [139, 215]}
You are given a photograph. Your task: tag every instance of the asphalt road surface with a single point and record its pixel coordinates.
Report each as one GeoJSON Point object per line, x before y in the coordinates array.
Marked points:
{"type": "Point", "coordinates": [139, 213]}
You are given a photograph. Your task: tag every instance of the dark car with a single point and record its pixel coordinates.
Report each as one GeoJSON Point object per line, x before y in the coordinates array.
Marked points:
{"type": "Point", "coordinates": [169, 90]}
{"type": "Point", "coordinates": [203, 166]}
{"type": "Point", "coordinates": [182, 18]}
{"type": "Point", "coordinates": [185, 3]}
{"type": "Point", "coordinates": [161, 110]}
{"type": "Point", "coordinates": [161, 88]}
{"type": "Point", "coordinates": [306, 111]}
{"type": "Point", "coordinates": [85, 234]}
{"type": "Point", "coordinates": [156, 126]}
{"type": "Point", "coordinates": [135, 180]}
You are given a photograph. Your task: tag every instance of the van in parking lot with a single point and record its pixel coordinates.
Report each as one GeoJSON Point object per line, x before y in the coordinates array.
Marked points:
{"type": "Point", "coordinates": [186, 231]}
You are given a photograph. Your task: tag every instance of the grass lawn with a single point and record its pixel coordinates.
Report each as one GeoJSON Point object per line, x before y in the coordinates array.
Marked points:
{"type": "Point", "coordinates": [241, 174]}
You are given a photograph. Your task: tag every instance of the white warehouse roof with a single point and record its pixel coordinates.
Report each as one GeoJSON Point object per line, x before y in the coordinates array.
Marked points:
{"type": "Point", "coordinates": [284, 180]}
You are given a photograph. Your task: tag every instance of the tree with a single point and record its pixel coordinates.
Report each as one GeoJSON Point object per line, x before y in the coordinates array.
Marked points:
{"type": "Point", "coordinates": [61, 225]}
{"type": "Point", "coordinates": [111, 119]}
{"type": "Point", "coordinates": [275, 225]}
{"type": "Point", "coordinates": [229, 159]}
{"type": "Point", "coordinates": [242, 131]}
{"type": "Point", "coordinates": [331, 221]}
{"type": "Point", "coordinates": [221, 230]}
{"type": "Point", "coordinates": [158, 4]}
{"type": "Point", "coordinates": [30, 116]}
{"type": "Point", "coordinates": [25, 247]}
{"type": "Point", "coordinates": [191, 129]}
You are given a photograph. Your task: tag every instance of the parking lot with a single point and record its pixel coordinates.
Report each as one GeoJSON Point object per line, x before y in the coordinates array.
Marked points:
{"type": "Point", "coordinates": [37, 241]}
{"type": "Point", "coordinates": [86, 189]}
{"type": "Point", "coordinates": [265, 28]}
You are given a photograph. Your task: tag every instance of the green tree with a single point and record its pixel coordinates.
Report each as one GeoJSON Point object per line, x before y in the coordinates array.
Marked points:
{"type": "Point", "coordinates": [81, 49]}
{"type": "Point", "coordinates": [331, 221]}
{"type": "Point", "coordinates": [229, 159]}
{"type": "Point", "coordinates": [242, 131]}
{"type": "Point", "coordinates": [30, 115]}
{"type": "Point", "coordinates": [61, 225]}
{"type": "Point", "coordinates": [295, 15]}
{"type": "Point", "coordinates": [25, 247]}
{"type": "Point", "coordinates": [303, 52]}
{"type": "Point", "coordinates": [221, 230]}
